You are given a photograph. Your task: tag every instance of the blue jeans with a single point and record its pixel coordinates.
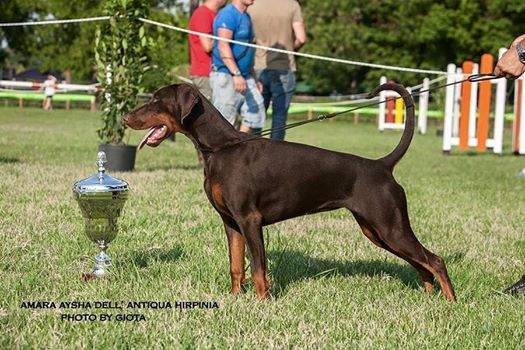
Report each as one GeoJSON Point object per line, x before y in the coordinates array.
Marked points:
{"type": "Point", "coordinates": [278, 87]}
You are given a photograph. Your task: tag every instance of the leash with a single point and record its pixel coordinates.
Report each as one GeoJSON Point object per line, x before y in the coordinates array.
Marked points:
{"type": "Point", "coordinates": [475, 78]}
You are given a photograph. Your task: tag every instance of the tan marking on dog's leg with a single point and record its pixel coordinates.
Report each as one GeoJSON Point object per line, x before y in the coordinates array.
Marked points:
{"type": "Point", "coordinates": [236, 248]}
{"type": "Point", "coordinates": [251, 227]}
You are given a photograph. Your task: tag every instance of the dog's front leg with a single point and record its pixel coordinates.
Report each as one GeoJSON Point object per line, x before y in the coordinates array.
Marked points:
{"type": "Point", "coordinates": [236, 247]}
{"type": "Point", "coordinates": [251, 228]}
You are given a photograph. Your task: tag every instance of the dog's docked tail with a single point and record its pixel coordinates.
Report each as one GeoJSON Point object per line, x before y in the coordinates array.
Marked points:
{"type": "Point", "coordinates": [393, 157]}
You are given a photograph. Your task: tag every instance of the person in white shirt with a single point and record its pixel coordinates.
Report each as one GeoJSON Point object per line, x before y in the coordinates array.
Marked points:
{"type": "Point", "coordinates": [49, 90]}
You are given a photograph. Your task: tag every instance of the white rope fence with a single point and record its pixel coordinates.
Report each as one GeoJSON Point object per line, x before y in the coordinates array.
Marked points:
{"type": "Point", "coordinates": [300, 54]}
{"type": "Point", "coordinates": [187, 31]}
{"type": "Point", "coordinates": [55, 21]}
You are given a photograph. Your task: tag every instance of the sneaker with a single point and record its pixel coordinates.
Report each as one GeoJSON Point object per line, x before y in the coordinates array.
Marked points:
{"type": "Point", "coordinates": [521, 173]}
{"type": "Point", "coordinates": [518, 288]}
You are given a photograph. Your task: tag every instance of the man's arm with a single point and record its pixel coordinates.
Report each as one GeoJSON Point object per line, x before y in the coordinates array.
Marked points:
{"type": "Point", "coordinates": [227, 56]}
{"type": "Point", "coordinates": [200, 22]}
{"type": "Point", "coordinates": [300, 35]}
{"type": "Point", "coordinates": [206, 43]}
{"type": "Point", "coordinates": [509, 65]}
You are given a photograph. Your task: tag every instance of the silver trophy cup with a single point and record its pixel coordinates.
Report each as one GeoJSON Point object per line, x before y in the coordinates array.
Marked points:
{"type": "Point", "coordinates": [101, 199]}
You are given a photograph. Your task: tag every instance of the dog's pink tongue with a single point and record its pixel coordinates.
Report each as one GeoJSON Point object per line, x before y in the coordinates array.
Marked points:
{"type": "Point", "coordinates": [145, 138]}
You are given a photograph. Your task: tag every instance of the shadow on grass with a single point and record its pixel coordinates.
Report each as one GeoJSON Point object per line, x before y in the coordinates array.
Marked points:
{"type": "Point", "coordinates": [8, 160]}
{"type": "Point", "coordinates": [143, 258]}
{"type": "Point", "coordinates": [290, 266]}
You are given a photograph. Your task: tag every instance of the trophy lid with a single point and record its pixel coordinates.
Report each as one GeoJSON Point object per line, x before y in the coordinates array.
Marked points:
{"type": "Point", "coordinates": [100, 182]}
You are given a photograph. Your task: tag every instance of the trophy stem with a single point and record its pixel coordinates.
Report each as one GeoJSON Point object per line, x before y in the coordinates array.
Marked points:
{"type": "Point", "coordinates": [102, 260]}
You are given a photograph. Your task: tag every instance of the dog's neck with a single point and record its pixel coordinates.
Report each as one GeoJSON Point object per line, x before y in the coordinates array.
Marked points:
{"type": "Point", "coordinates": [210, 131]}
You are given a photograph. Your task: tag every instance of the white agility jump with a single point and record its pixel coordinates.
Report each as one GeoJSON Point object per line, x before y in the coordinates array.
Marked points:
{"type": "Point", "coordinates": [392, 112]}
{"type": "Point", "coordinates": [468, 108]}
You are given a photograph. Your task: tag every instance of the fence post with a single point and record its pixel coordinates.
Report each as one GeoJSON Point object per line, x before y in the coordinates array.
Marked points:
{"type": "Point", "coordinates": [449, 108]}
{"type": "Point", "coordinates": [519, 117]}
{"type": "Point", "coordinates": [464, 117]}
{"type": "Point", "coordinates": [457, 103]}
{"type": "Point", "coordinates": [473, 105]}
{"type": "Point", "coordinates": [382, 106]}
{"type": "Point", "coordinates": [499, 115]}
{"type": "Point", "coordinates": [423, 107]}
{"type": "Point", "coordinates": [485, 93]}
{"type": "Point", "coordinates": [400, 110]}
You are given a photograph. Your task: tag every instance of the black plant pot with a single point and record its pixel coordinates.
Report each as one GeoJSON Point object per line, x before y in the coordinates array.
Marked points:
{"type": "Point", "coordinates": [120, 157]}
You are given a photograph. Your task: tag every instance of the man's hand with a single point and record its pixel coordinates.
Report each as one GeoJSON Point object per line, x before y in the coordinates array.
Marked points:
{"type": "Point", "coordinates": [260, 87]}
{"type": "Point", "coordinates": [509, 65]}
{"type": "Point", "coordinates": [240, 84]}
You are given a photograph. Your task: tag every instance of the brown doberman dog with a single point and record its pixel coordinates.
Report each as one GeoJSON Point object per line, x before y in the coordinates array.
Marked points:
{"type": "Point", "coordinates": [257, 182]}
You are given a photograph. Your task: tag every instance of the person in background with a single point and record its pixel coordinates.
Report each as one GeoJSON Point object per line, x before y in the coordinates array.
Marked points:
{"type": "Point", "coordinates": [278, 24]}
{"type": "Point", "coordinates": [511, 66]}
{"type": "Point", "coordinates": [201, 47]}
{"type": "Point", "coordinates": [49, 90]}
{"type": "Point", "coordinates": [232, 78]}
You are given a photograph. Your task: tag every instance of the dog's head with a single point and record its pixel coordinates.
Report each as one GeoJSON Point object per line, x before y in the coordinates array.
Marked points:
{"type": "Point", "coordinates": [166, 112]}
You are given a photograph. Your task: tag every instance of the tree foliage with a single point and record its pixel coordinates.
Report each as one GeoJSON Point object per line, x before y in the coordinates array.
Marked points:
{"type": "Point", "coordinates": [70, 46]}
{"type": "Point", "coordinates": [51, 47]}
{"type": "Point", "coordinates": [423, 34]}
{"type": "Point", "coordinates": [121, 57]}
{"type": "Point", "coordinates": [426, 34]}
{"type": "Point", "coordinates": [168, 51]}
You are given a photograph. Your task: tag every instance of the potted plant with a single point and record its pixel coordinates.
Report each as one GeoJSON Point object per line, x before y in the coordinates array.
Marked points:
{"type": "Point", "coordinates": [120, 54]}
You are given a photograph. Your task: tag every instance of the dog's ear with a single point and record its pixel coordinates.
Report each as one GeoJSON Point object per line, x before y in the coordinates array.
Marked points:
{"type": "Point", "coordinates": [188, 98]}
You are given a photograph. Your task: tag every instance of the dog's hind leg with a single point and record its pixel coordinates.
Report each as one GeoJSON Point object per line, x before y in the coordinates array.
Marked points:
{"type": "Point", "coordinates": [251, 228]}
{"type": "Point", "coordinates": [392, 225]}
{"type": "Point", "coordinates": [426, 276]}
{"type": "Point", "coordinates": [404, 242]}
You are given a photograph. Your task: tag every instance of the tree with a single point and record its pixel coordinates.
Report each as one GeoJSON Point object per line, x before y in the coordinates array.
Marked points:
{"type": "Point", "coordinates": [168, 50]}
{"type": "Point", "coordinates": [70, 46]}
{"type": "Point", "coordinates": [419, 33]}
{"type": "Point", "coordinates": [121, 61]}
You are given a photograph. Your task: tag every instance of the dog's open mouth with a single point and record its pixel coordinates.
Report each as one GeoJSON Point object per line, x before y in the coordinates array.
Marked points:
{"type": "Point", "coordinates": [154, 136]}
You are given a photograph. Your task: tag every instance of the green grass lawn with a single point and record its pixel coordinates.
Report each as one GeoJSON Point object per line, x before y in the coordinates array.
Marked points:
{"type": "Point", "coordinates": [332, 288]}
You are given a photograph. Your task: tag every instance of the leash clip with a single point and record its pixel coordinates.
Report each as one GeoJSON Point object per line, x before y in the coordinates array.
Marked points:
{"type": "Point", "coordinates": [322, 117]}
{"type": "Point", "coordinates": [474, 78]}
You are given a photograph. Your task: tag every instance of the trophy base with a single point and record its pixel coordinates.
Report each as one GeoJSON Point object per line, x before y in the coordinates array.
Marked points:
{"type": "Point", "coordinates": [102, 262]}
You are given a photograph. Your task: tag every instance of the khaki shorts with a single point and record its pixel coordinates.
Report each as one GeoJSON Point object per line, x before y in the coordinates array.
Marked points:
{"type": "Point", "coordinates": [203, 84]}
